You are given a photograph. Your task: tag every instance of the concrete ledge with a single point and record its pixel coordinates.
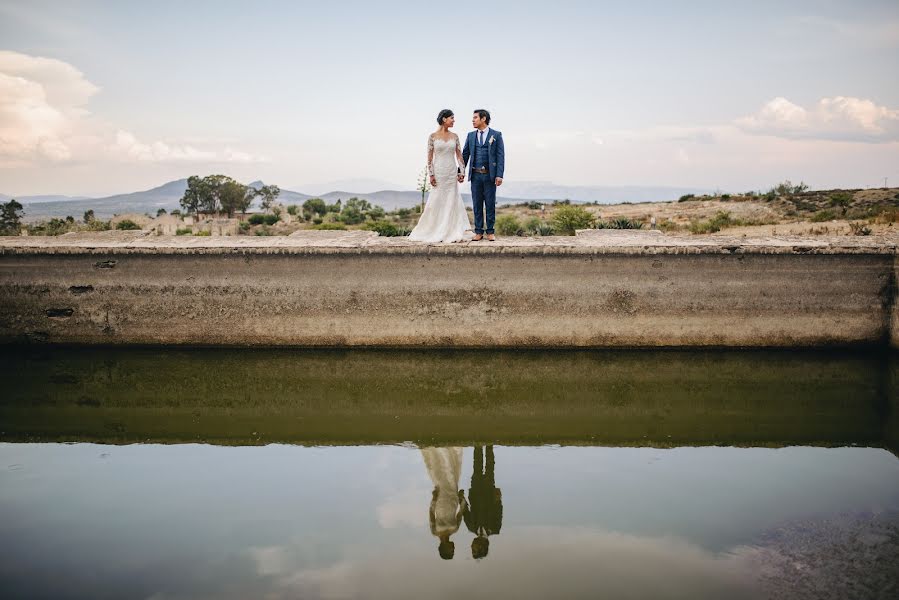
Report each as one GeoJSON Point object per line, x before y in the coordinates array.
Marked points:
{"type": "Point", "coordinates": [335, 289]}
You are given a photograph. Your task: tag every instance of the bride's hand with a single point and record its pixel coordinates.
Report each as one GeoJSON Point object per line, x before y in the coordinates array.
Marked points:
{"type": "Point", "coordinates": [461, 178]}
{"type": "Point", "coordinates": [433, 181]}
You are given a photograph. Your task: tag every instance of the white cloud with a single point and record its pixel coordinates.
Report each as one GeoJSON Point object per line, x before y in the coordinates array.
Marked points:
{"type": "Point", "coordinates": [44, 117]}
{"type": "Point", "coordinates": [839, 119]}
{"type": "Point", "coordinates": [41, 102]}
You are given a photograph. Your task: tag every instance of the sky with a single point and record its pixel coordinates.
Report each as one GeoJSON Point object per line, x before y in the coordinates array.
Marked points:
{"type": "Point", "coordinates": [103, 97]}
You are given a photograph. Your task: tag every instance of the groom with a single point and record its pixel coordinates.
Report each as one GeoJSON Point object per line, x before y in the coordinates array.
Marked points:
{"type": "Point", "coordinates": [485, 170]}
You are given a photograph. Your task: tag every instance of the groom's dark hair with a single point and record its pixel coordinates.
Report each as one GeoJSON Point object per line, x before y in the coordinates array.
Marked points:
{"type": "Point", "coordinates": [484, 114]}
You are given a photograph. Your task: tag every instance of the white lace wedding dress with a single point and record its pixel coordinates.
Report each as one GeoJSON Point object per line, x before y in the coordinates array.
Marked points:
{"type": "Point", "coordinates": [444, 218]}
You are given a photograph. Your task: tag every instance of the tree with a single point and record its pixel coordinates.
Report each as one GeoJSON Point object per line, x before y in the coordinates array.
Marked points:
{"type": "Point", "coordinates": [232, 196]}
{"type": "Point", "coordinates": [161, 212]}
{"type": "Point", "coordinates": [269, 194]}
{"type": "Point", "coordinates": [211, 190]}
{"type": "Point", "coordinates": [89, 216]}
{"type": "Point", "coordinates": [314, 206]}
{"type": "Point", "coordinates": [424, 185]}
{"type": "Point", "coordinates": [10, 217]}
{"type": "Point", "coordinates": [192, 198]}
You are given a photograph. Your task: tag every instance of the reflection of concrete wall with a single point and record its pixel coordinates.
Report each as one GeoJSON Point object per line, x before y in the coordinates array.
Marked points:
{"type": "Point", "coordinates": [332, 297]}
{"type": "Point", "coordinates": [658, 398]}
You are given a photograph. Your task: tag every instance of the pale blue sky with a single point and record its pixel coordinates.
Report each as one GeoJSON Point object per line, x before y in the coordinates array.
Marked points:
{"type": "Point", "coordinates": [603, 93]}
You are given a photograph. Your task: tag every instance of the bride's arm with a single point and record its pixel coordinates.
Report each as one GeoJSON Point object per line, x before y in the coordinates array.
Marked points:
{"type": "Point", "coordinates": [459, 157]}
{"type": "Point", "coordinates": [431, 158]}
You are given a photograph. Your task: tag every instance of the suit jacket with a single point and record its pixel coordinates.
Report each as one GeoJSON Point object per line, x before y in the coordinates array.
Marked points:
{"type": "Point", "coordinates": [496, 151]}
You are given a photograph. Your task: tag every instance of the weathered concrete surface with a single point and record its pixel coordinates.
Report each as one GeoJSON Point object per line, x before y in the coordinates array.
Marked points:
{"type": "Point", "coordinates": [598, 289]}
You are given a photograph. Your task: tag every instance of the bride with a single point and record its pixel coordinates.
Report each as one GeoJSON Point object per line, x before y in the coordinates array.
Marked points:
{"type": "Point", "coordinates": [444, 218]}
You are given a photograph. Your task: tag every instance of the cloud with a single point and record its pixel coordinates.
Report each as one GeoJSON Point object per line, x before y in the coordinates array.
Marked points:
{"type": "Point", "coordinates": [837, 119]}
{"type": "Point", "coordinates": [41, 102]}
{"type": "Point", "coordinates": [44, 118]}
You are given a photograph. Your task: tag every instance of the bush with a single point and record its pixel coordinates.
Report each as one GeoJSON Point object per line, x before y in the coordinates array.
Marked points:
{"type": "Point", "coordinates": [317, 220]}
{"type": "Point", "coordinates": [823, 215]}
{"type": "Point", "coordinates": [127, 225]}
{"type": "Point", "coordinates": [292, 210]}
{"type": "Point", "coordinates": [686, 198]}
{"type": "Point", "coordinates": [184, 231]}
{"type": "Point", "coordinates": [842, 200]}
{"type": "Point", "coordinates": [619, 223]}
{"type": "Point", "coordinates": [203, 233]}
{"type": "Point", "coordinates": [263, 231]}
{"type": "Point", "coordinates": [721, 220]}
{"type": "Point", "coordinates": [329, 226]}
{"type": "Point", "coordinates": [244, 226]}
{"type": "Point", "coordinates": [256, 219]}
{"type": "Point", "coordinates": [566, 219]}
{"type": "Point", "coordinates": [509, 225]}
{"type": "Point", "coordinates": [786, 188]}
{"type": "Point", "coordinates": [856, 228]}
{"type": "Point", "coordinates": [531, 225]}
{"type": "Point", "coordinates": [384, 228]}
{"type": "Point", "coordinates": [725, 197]}
{"type": "Point", "coordinates": [270, 219]}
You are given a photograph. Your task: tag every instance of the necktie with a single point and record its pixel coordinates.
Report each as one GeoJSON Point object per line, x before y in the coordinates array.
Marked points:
{"type": "Point", "coordinates": [481, 138]}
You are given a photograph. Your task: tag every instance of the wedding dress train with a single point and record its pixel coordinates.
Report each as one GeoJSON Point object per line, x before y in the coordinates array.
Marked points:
{"type": "Point", "coordinates": [444, 218]}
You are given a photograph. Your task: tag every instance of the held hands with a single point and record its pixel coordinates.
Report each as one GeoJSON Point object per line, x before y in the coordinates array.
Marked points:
{"type": "Point", "coordinates": [460, 177]}
{"type": "Point", "coordinates": [433, 181]}
{"type": "Point", "coordinates": [499, 181]}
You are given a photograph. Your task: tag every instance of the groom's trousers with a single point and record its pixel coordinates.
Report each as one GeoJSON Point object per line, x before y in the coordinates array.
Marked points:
{"type": "Point", "coordinates": [483, 196]}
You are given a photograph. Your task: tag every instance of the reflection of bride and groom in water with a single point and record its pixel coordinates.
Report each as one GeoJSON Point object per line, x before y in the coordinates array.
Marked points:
{"type": "Point", "coordinates": [482, 511]}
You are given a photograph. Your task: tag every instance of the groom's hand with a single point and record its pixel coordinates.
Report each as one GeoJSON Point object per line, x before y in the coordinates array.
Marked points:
{"type": "Point", "coordinates": [499, 181]}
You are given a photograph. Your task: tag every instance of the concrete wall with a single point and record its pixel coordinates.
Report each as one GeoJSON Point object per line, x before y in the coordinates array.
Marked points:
{"type": "Point", "coordinates": [510, 297]}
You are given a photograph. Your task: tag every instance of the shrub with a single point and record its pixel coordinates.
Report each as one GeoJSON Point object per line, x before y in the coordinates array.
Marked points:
{"type": "Point", "coordinates": [243, 226]}
{"type": "Point", "coordinates": [888, 215]}
{"type": "Point", "coordinates": [263, 231]}
{"type": "Point", "coordinates": [317, 220]}
{"type": "Point", "coordinates": [404, 212]}
{"type": "Point", "coordinates": [725, 197]}
{"type": "Point", "coordinates": [619, 223]}
{"type": "Point", "coordinates": [384, 228]}
{"type": "Point", "coordinates": [842, 200]}
{"type": "Point", "coordinates": [531, 225]}
{"type": "Point", "coordinates": [822, 216]}
{"type": "Point", "coordinates": [329, 226]}
{"type": "Point", "coordinates": [566, 219]}
{"type": "Point", "coordinates": [666, 224]}
{"type": "Point", "coordinates": [270, 219]}
{"type": "Point", "coordinates": [721, 220]}
{"type": "Point", "coordinates": [786, 188]}
{"type": "Point", "coordinates": [205, 233]}
{"type": "Point", "coordinates": [256, 219]}
{"type": "Point", "coordinates": [127, 225]}
{"type": "Point", "coordinates": [160, 212]}
{"type": "Point", "coordinates": [292, 210]}
{"type": "Point", "coordinates": [509, 225]}
{"type": "Point", "coordinates": [545, 229]}
{"type": "Point", "coordinates": [184, 231]}
{"type": "Point", "coordinates": [686, 198]}
{"type": "Point", "coordinates": [856, 228]}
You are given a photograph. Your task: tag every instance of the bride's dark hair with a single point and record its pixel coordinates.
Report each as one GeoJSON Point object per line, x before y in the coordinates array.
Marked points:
{"type": "Point", "coordinates": [444, 114]}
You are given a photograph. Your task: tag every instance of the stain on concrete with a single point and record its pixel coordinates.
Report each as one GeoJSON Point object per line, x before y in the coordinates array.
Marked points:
{"type": "Point", "coordinates": [77, 290]}
{"type": "Point", "coordinates": [60, 313]}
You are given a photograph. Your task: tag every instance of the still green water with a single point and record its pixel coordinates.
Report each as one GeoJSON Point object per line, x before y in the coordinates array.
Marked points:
{"type": "Point", "coordinates": [374, 474]}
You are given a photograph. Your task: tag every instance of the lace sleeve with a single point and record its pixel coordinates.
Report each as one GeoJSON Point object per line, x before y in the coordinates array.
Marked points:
{"type": "Point", "coordinates": [431, 155]}
{"type": "Point", "coordinates": [459, 158]}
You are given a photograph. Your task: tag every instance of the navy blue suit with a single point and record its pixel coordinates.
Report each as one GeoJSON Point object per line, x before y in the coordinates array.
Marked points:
{"type": "Point", "coordinates": [483, 185]}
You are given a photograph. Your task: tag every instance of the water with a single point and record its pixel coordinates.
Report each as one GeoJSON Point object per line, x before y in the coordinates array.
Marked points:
{"type": "Point", "coordinates": [278, 474]}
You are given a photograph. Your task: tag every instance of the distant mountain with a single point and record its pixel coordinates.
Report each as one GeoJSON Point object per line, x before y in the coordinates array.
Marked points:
{"type": "Point", "coordinates": [545, 190]}
{"type": "Point", "coordinates": [47, 198]}
{"type": "Point", "coordinates": [347, 184]}
{"type": "Point", "coordinates": [168, 196]}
